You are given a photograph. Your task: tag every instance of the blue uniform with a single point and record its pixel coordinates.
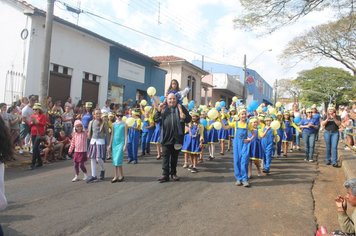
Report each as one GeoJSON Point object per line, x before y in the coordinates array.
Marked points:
{"type": "Point", "coordinates": [146, 136]}
{"type": "Point", "coordinates": [193, 139]}
{"type": "Point", "coordinates": [241, 157]}
{"type": "Point", "coordinates": [212, 133]}
{"type": "Point", "coordinates": [267, 145]}
{"type": "Point", "coordinates": [133, 142]}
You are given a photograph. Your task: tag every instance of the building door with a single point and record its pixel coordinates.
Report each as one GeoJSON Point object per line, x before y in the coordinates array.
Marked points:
{"type": "Point", "coordinates": [90, 91]}
{"type": "Point", "coordinates": [59, 86]}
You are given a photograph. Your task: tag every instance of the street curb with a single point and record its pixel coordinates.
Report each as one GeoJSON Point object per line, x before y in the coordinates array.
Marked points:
{"type": "Point", "coordinates": [348, 164]}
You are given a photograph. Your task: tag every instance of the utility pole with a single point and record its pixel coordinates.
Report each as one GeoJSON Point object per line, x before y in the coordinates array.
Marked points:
{"type": "Point", "coordinates": [47, 52]}
{"type": "Point", "coordinates": [244, 92]}
{"type": "Point", "coordinates": [275, 91]}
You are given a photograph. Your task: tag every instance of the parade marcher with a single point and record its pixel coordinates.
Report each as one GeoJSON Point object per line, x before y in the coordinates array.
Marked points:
{"type": "Point", "coordinates": [267, 141]}
{"type": "Point", "coordinates": [309, 127]}
{"type": "Point", "coordinates": [173, 116]}
{"type": "Point", "coordinates": [97, 132]}
{"type": "Point", "coordinates": [38, 129]}
{"type": "Point", "coordinates": [240, 151]}
{"type": "Point", "coordinates": [280, 133]}
{"type": "Point", "coordinates": [331, 123]}
{"type": "Point", "coordinates": [195, 139]}
{"type": "Point", "coordinates": [254, 147]}
{"type": "Point", "coordinates": [117, 146]}
{"type": "Point", "coordinates": [133, 138]}
{"type": "Point", "coordinates": [79, 145]}
{"type": "Point", "coordinates": [148, 127]}
{"type": "Point", "coordinates": [223, 134]}
{"type": "Point", "coordinates": [87, 116]}
{"type": "Point", "coordinates": [212, 138]}
{"type": "Point", "coordinates": [155, 139]}
{"type": "Point", "coordinates": [231, 131]}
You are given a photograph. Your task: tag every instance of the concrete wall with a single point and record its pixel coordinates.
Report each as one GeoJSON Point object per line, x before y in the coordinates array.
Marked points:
{"type": "Point", "coordinates": [153, 76]}
{"type": "Point", "coordinates": [14, 51]}
{"type": "Point", "coordinates": [70, 48]}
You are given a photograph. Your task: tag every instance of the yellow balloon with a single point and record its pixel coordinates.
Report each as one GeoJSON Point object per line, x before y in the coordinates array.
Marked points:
{"type": "Point", "coordinates": [217, 104]}
{"type": "Point", "coordinates": [277, 138]}
{"type": "Point", "coordinates": [278, 104]}
{"type": "Point", "coordinates": [213, 114]}
{"type": "Point", "coordinates": [259, 109]}
{"type": "Point", "coordinates": [236, 117]}
{"type": "Point", "coordinates": [234, 99]}
{"type": "Point", "coordinates": [271, 110]}
{"type": "Point", "coordinates": [130, 121]}
{"type": "Point", "coordinates": [217, 125]}
{"type": "Point", "coordinates": [124, 118]}
{"type": "Point", "coordinates": [143, 102]}
{"type": "Point", "coordinates": [151, 91]}
{"type": "Point", "coordinates": [147, 108]}
{"type": "Point", "coordinates": [275, 124]}
{"type": "Point", "coordinates": [185, 101]}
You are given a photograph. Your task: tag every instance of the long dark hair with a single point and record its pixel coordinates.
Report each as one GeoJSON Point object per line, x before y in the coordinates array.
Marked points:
{"type": "Point", "coordinates": [6, 147]}
{"type": "Point", "coordinates": [170, 86]}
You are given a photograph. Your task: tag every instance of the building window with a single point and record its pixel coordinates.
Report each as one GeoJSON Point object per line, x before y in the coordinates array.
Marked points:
{"type": "Point", "coordinates": [55, 67]}
{"type": "Point", "coordinates": [191, 85]}
{"type": "Point", "coordinates": [65, 70]}
{"type": "Point", "coordinates": [86, 76]}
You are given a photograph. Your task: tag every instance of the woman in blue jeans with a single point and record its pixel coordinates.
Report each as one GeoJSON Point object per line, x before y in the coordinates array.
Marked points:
{"type": "Point", "coordinates": [331, 123]}
{"type": "Point", "coordinates": [309, 126]}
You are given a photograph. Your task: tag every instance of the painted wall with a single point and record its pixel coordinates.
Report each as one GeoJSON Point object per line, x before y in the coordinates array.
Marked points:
{"type": "Point", "coordinates": [154, 76]}
{"type": "Point", "coordinates": [70, 48]}
{"type": "Point", "coordinates": [13, 50]}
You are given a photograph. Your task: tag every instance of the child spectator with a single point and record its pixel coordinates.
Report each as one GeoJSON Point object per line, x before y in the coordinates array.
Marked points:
{"type": "Point", "coordinates": [65, 140]}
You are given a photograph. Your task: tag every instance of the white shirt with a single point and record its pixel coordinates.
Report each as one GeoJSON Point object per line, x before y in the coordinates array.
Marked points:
{"type": "Point", "coordinates": [105, 109]}
{"type": "Point", "coordinates": [26, 112]}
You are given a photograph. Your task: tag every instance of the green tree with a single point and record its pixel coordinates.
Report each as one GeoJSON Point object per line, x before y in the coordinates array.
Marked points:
{"type": "Point", "coordinates": [325, 85]}
{"type": "Point", "coordinates": [273, 14]}
{"type": "Point", "coordinates": [336, 40]}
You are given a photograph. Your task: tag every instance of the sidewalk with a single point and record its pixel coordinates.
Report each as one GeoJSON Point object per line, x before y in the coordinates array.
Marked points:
{"type": "Point", "coordinates": [348, 161]}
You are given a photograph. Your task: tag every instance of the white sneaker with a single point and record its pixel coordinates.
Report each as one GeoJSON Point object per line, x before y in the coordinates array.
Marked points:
{"type": "Point", "coordinates": [31, 151]}
{"type": "Point", "coordinates": [20, 151]}
{"type": "Point", "coordinates": [68, 157]}
{"type": "Point", "coordinates": [75, 178]}
{"type": "Point", "coordinates": [85, 177]}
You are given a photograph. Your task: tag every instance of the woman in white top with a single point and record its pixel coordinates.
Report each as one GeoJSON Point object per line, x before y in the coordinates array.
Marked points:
{"type": "Point", "coordinates": [6, 153]}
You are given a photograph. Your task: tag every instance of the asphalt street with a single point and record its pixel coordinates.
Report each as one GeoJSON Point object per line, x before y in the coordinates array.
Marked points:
{"type": "Point", "coordinates": [45, 201]}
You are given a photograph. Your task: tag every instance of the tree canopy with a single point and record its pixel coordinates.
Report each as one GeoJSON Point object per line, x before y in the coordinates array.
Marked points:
{"type": "Point", "coordinates": [326, 85]}
{"type": "Point", "coordinates": [273, 14]}
{"type": "Point", "coordinates": [336, 40]}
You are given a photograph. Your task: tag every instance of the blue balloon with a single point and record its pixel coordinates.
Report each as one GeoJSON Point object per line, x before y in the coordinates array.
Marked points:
{"type": "Point", "coordinates": [218, 108]}
{"type": "Point", "coordinates": [254, 105]}
{"type": "Point", "coordinates": [191, 105]}
{"type": "Point", "coordinates": [161, 98]}
{"type": "Point", "coordinates": [203, 122]}
{"type": "Point", "coordinates": [264, 109]}
{"type": "Point", "coordinates": [249, 109]}
{"type": "Point", "coordinates": [297, 119]}
{"type": "Point", "coordinates": [222, 103]}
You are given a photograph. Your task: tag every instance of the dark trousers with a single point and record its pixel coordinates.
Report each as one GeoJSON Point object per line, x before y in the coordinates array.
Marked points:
{"type": "Point", "coordinates": [170, 159]}
{"type": "Point", "coordinates": [36, 157]}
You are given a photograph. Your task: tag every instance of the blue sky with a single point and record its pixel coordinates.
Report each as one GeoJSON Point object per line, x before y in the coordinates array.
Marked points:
{"type": "Point", "coordinates": [202, 27]}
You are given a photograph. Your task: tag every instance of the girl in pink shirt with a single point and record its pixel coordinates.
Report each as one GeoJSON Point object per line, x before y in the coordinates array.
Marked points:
{"type": "Point", "coordinates": [79, 142]}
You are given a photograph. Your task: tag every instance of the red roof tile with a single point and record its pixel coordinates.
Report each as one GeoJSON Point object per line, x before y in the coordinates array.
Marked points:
{"type": "Point", "coordinates": [170, 58]}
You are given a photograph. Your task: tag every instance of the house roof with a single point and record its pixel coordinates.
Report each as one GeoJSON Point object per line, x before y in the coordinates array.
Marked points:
{"type": "Point", "coordinates": [37, 11]}
{"type": "Point", "coordinates": [175, 59]}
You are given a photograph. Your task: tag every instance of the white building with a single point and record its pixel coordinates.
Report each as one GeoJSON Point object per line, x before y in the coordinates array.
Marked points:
{"type": "Point", "coordinates": [79, 60]}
